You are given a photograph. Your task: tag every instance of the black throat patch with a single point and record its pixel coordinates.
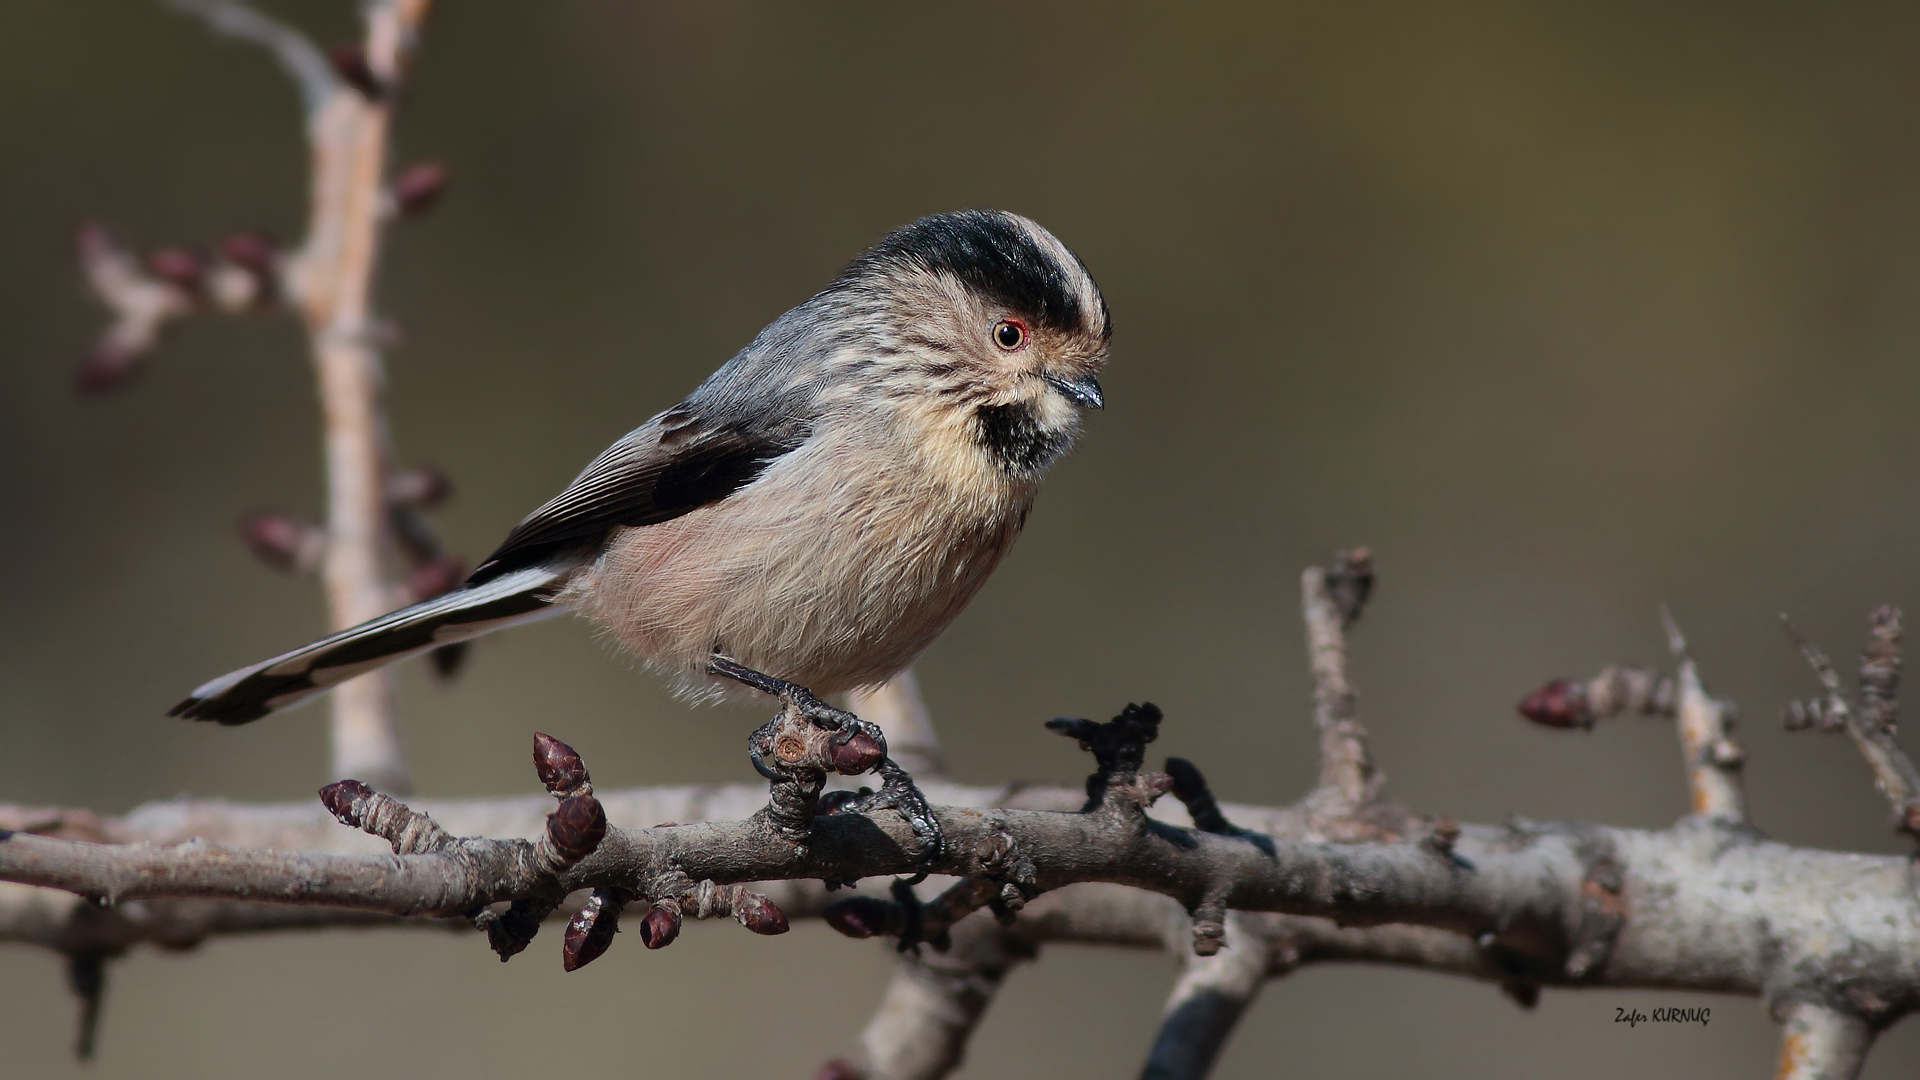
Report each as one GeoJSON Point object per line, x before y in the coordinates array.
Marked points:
{"type": "Point", "coordinates": [1013, 435]}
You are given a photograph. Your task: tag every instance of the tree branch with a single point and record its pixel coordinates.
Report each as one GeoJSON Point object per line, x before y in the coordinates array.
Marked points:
{"type": "Point", "coordinates": [1712, 758]}
{"type": "Point", "coordinates": [1331, 601]}
{"type": "Point", "coordinates": [1822, 1043]}
{"type": "Point", "coordinates": [1871, 724]}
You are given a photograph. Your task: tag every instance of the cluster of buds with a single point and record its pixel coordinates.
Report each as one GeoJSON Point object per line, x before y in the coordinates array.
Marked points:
{"type": "Point", "coordinates": [147, 293]}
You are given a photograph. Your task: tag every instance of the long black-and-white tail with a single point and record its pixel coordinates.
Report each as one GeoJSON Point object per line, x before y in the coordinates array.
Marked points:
{"type": "Point", "coordinates": [253, 692]}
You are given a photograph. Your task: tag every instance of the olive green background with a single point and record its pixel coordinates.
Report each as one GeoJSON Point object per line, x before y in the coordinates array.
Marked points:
{"type": "Point", "coordinates": [1567, 310]}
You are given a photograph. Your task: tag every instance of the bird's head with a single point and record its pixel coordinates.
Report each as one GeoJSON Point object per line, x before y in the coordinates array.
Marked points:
{"type": "Point", "coordinates": [988, 320]}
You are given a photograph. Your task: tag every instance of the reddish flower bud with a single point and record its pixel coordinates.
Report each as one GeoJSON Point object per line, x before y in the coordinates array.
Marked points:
{"type": "Point", "coordinates": [559, 767]}
{"type": "Point", "coordinates": [350, 63]}
{"type": "Point", "coordinates": [1561, 703]}
{"type": "Point", "coordinates": [758, 914]}
{"type": "Point", "coordinates": [859, 754]}
{"type": "Point", "coordinates": [862, 916]}
{"type": "Point", "coordinates": [660, 927]}
{"type": "Point", "coordinates": [255, 252]}
{"type": "Point", "coordinates": [421, 487]}
{"type": "Point", "coordinates": [283, 542]}
{"type": "Point", "coordinates": [105, 368]}
{"type": "Point", "coordinates": [436, 578]}
{"type": "Point", "coordinates": [590, 932]}
{"type": "Point", "coordinates": [183, 269]}
{"type": "Point", "coordinates": [839, 1070]}
{"type": "Point", "coordinates": [577, 827]}
{"type": "Point", "coordinates": [339, 797]}
{"type": "Point", "coordinates": [418, 188]}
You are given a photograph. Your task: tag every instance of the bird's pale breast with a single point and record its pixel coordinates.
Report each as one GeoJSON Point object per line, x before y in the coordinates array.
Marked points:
{"type": "Point", "coordinates": [833, 570]}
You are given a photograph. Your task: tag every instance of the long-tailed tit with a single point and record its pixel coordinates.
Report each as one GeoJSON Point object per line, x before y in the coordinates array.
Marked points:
{"type": "Point", "coordinates": [819, 510]}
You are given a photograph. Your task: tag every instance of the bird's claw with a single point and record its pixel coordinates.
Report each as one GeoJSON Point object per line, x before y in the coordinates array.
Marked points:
{"type": "Point", "coordinates": [900, 794]}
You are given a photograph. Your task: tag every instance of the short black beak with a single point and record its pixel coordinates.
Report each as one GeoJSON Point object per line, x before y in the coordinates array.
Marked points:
{"type": "Point", "coordinates": [1084, 391]}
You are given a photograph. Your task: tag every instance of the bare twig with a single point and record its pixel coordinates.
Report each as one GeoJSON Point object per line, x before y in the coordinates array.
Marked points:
{"type": "Point", "coordinates": [330, 281]}
{"type": "Point", "coordinates": [1331, 600]}
{"type": "Point", "coordinates": [1870, 724]}
{"type": "Point", "coordinates": [1822, 1043]}
{"type": "Point", "coordinates": [303, 62]}
{"type": "Point", "coordinates": [1711, 756]}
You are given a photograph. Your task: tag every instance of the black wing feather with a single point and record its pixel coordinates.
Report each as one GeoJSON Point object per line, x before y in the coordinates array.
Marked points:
{"type": "Point", "coordinates": [675, 464]}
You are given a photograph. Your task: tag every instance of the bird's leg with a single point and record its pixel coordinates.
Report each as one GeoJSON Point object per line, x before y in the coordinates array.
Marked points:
{"type": "Point", "coordinates": [856, 746]}
{"type": "Point", "coordinates": [801, 701]}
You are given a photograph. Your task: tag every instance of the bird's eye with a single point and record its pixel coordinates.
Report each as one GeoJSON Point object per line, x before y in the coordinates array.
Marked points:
{"type": "Point", "coordinates": [1010, 334]}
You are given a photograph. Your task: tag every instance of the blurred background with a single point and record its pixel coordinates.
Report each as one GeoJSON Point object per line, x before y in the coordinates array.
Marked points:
{"type": "Point", "coordinates": [1566, 310]}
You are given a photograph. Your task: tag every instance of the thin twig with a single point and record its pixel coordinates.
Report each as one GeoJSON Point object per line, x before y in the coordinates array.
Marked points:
{"type": "Point", "coordinates": [298, 56]}
{"type": "Point", "coordinates": [1331, 600]}
{"type": "Point", "coordinates": [1711, 757]}
{"type": "Point", "coordinates": [1869, 726]}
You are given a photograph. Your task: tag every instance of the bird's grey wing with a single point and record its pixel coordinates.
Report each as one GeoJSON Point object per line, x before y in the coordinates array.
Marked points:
{"type": "Point", "coordinates": [681, 460]}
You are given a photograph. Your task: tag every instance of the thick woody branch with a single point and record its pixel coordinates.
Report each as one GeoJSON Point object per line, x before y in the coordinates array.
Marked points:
{"type": "Point", "coordinates": [1822, 1043]}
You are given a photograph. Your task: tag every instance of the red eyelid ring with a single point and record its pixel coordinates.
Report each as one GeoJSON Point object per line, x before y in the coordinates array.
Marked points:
{"type": "Point", "coordinates": [1018, 327]}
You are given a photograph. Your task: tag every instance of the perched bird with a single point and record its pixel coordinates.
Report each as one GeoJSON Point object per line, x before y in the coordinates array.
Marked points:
{"type": "Point", "coordinates": [818, 510]}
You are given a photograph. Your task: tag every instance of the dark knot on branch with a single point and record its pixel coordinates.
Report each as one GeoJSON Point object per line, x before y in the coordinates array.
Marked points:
{"type": "Point", "coordinates": [1118, 746]}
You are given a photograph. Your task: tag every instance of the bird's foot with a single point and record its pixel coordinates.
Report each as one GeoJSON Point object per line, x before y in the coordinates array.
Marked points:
{"type": "Point", "coordinates": [901, 795]}
{"type": "Point", "coordinates": [854, 746]}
